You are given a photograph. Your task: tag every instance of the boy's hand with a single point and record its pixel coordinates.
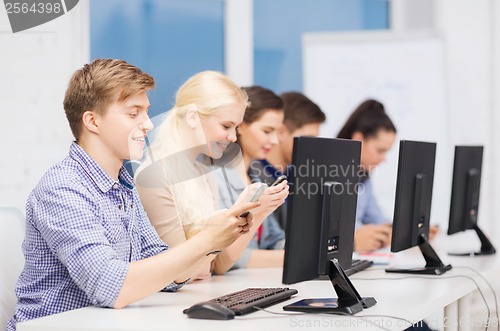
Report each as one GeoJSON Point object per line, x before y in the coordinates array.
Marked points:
{"type": "Point", "coordinates": [226, 226]}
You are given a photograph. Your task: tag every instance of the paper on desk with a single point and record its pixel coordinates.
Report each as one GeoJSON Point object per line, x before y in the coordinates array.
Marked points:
{"type": "Point", "coordinates": [380, 257]}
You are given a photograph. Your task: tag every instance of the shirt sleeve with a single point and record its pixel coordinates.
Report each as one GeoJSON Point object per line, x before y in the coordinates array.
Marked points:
{"type": "Point", "coordinates": [272, 233]}
{"type": "Point", "coordinates": [68, 219]}
{"type": "Point", "coordinates": [371, 212]}
{"type": "Point", "coordinates": [151, 243]}
{"type": "Point", "coordinates": [174, 287]}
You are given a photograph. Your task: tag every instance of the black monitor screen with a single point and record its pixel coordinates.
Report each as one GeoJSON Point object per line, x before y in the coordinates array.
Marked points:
{"type": "Point", "coordinates": [320, 221]}
{"type": "Point", "coordinates": [464, 205]}
{"type": "Point", "coordinates": [324, 179]}
{"type": "Point", "coordinates": [412, 207]}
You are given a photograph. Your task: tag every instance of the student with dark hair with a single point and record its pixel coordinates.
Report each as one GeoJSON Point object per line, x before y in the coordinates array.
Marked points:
{"type": "Point", "coordinates": [88, 240]}
{"type": "Point", "coordinates": [371, 125]}
{"type": "Point", "coordinates": [257, 136]}
{"type": "Point", "coordinates": [302, 118]}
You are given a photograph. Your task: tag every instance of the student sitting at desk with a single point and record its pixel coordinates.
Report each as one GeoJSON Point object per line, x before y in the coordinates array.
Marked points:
{"type": "Point", "coordinates": [88, 240]}
{"type": "Point", "coordinates": [176, 181]}
{"type": "Point", "coordinates": [257, 135]}
{"type": "Point", "coordinates": [302, 118]}
{"type": "Point", "coordinates": [370, 124]}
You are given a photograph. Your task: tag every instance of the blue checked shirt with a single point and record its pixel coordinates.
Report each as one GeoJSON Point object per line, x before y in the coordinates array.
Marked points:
{"type": "Point", "coordinates": [82, 230]}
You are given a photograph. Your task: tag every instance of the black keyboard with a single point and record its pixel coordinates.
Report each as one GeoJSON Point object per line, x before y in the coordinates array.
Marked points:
{"type": "Point", "coordinates": [243, 302]}
{"type": "Point", "coordinates": [358, 265]}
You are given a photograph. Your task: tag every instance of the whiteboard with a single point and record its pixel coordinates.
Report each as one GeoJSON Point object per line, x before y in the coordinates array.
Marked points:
{"type": "Point", "coordinates": [404, 72]}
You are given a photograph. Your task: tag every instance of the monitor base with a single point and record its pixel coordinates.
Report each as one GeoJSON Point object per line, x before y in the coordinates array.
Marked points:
{"type": "Point", "coordinates": [486, 245]}
{"type": "Point", "coordinates": [368, 302]}
{"type": "Point", "coordinates": [433, 264]}
{"type": "Point", "coordinates": [349, 301]}
{"type": "Point", "coordinates": [471, 254]}
{"type": "Point", "coordinates": [421, 270]}
{"type": "Point", "coordinates": [325, 305]}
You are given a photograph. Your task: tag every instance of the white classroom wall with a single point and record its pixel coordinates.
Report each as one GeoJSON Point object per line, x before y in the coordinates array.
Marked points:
{"type": "Point", "coordinates": [469, 30]}
{"type": "Point", "coordinates": [238, 41]}
{"type": "Point", "coordinates": [495, 110]}
{"type": "Point", "coordinates": [35, 67]}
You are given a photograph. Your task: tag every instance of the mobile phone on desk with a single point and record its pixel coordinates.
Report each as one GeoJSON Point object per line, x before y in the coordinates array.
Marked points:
{"type": "Point", "coordinates": [279, 180]}
{"type": "Point", "coordinates": [255, 195]}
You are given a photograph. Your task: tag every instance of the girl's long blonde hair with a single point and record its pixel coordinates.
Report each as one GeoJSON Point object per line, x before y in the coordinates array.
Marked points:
{"type": "Point", "coordinates": [207, 92]}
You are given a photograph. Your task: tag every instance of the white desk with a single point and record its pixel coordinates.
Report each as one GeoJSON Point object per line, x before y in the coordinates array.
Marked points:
{"type": "Point", "coordinates": [411, 299]}
{"type": "Point", "coordinates": [456, 314]}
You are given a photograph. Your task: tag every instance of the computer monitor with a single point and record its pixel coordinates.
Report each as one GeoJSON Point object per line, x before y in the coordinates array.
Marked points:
{"type": "Point", "coordinates": [320, 221]}
{"type": "Point", "coordinates": [413, 205]}
{"type": "Point", "coordinates": [465, 189]}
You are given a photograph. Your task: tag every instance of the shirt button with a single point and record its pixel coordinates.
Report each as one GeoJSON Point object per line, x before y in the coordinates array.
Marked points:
{"type": "Point", "coordinates": [115, 185]}
{"type": "Point", "coordinates": [131, 206]}
{"type": "Point", "coordinates": [119, 206]}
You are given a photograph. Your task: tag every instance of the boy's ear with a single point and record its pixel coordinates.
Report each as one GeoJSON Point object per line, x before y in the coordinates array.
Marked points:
{"type": "Point", "coordinates": [192, 118]}
{"type": "Point", "coordinates": [358, 136]}
{"type": "Point", "coordinates": [90, 121]}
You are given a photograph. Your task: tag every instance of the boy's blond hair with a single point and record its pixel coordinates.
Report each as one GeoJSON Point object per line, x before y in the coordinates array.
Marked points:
{"type": "Point", "coordinates": [100, 83]}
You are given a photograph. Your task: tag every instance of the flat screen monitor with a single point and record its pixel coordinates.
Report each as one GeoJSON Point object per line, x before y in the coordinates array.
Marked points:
{"type": "Point", "coordinates": [321, 214]}
{"type": "Point", "coordinates": [464, 207]}
{"type": "Point", "coordinates": [412, 207]}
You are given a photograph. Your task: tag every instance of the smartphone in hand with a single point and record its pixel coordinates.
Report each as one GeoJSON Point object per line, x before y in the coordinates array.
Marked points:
{"type": "Point", "coordinates": [279, 180]}
{"type": "Point", "coordinates": [255, 196]}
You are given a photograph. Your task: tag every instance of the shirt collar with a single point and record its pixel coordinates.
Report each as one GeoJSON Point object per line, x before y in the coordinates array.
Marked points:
{"type": "Point", "coordinates": [271, 170]}
{"type": "Point", "coordinates": [96, 173]}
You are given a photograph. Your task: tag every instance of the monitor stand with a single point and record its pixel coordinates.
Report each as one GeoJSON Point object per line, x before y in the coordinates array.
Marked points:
{"type": "Point", "coordinates": [433, 264]}
{"type": "Point", "coordinates": [349, 301]}
{"type": "Point", "coordinates": [486, 246]}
